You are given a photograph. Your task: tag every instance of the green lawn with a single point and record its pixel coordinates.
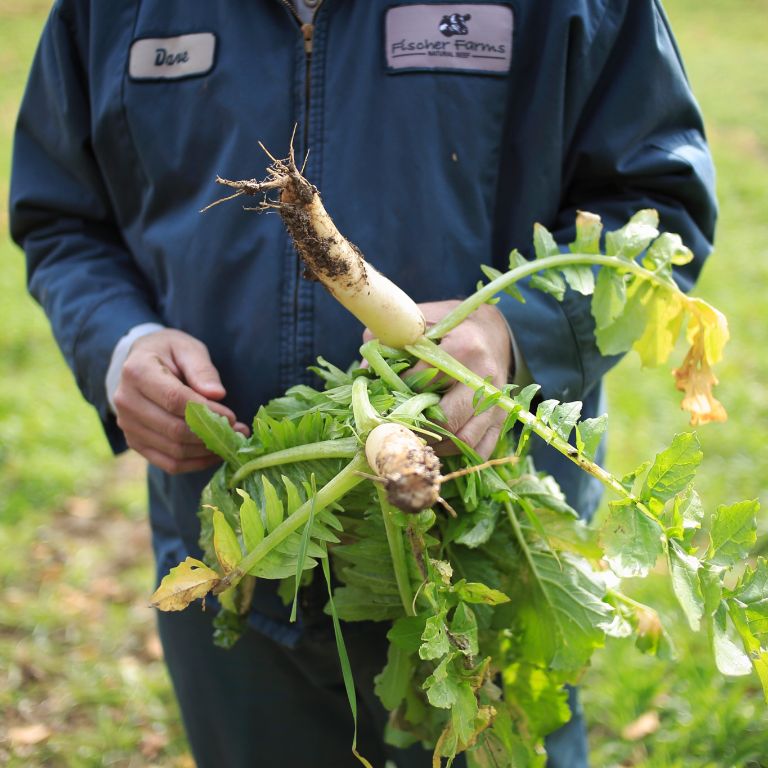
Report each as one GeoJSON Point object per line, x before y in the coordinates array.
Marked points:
{"type": "Point", "coordinates": [81, 678]}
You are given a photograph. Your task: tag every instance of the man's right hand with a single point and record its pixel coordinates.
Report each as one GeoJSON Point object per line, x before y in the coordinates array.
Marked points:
{"type": "Point", "coordinates": [164, 371]}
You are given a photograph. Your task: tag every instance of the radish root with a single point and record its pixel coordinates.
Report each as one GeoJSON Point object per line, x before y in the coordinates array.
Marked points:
{"type": "Point", "coordinates": [390, 314]}
{"type": "Point", "coordinates": [407, 466]}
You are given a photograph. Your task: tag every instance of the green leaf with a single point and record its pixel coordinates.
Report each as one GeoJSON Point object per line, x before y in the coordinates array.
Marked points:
{"type": "Point", "coordinates": [635, 236]}
{"type": "Point", "coordinates": [632, 541]}
{"type": "Point", "coordinates": [580, 278]}
{"type": "Point", "coordinates": [564, 418]}
{"type": "Point", "coordinates": [546, 409]}
{"type": "Point", "coordinates": [711, 581]}
{"type": "Point", "coordinates": [475, 592]}
{"type": "Point", "coordinates": [564, 532]}
{"type": "Point", "coordinates": [442, 685]}
{"type": "Point", "coordinates": [683, 517]}
{"type": "Point", "coordinates": [228, 628]}
{"type": "Point", "coordinates": [630, 480]}
{"type": "Point", "coordinates": [225, 542]}
{"type": "Point", "coordinates": [752, 592]}
{"type": "Point", "coordinates": [540, 696]}
{"type": "Point", "coordinates": [544, 244]}
{"type": "Point", "coordinates": [251, 525]}
{"type": "Point", "coordinates": [464, 630]}
{"type": "Point", "coordinates": [729, 658]}
{"type": "Point", "coordinates": [610, 297]}
{"type": "Point", "coordinates": [542, 492]}
{"type": "Point", "coordinates": [754, 646]}
{"type": "Point", "coordinates": [674, 468]}
{"type": "Point", "coordinates": [391, 684]}
{"type": "Point", "coordinates": [733, 532]}
{"type": "Point", "coordinates": [215, 432]}
{"type": "Point", "coordinates": [434, 639]}
{"type": "Point", "coordinates": [684, 572]}
{"type": "Point", "coordinates": [549, 281]}
{"type": "Point", "coordinates": [589, 227]}
{"type": "Point", "coordinates": [666, 250]}
{"type": "Point", "coordinates": [301, 556]}
{"type": "Point", "coordinates": [273, 507]}
{"type": "Point", "coordinates": [463, 713]}
{"type": "Point", "coordinates": [619, 335]}
{"type": "Point", "coordinates": [524, 397]}
{"type": "Point", "coordinates": [216, 494]}
{"type": "Point", "coordinates": [560, 611]}
{"type": "Point", "coordinates": [346, 667]}
{"type": "Point", "coordinates": [406, 632]}
{"type": "Point", "coordinates": [664, 318]}
{"type": "Point", "coordinates": [294, 500]}
{"type": "Point", "coordinates": [589, 433]}
{"type": "Point", "coordinates": [421, 380]}
{"type": "Point", "coordinates": [516, 259]}
{"type": "Point", "coordinates": [479, 526]}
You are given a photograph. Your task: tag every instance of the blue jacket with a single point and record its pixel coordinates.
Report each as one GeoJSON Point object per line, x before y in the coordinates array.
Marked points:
{"type": "Point", "coordinates": [430, 169]}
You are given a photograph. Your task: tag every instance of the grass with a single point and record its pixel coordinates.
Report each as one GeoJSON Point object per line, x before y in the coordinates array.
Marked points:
{"type": "Point", "coordinates": [82, 681]}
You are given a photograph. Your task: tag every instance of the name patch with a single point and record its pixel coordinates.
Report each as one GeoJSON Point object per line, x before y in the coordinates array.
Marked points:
{"type": "Point", "coordinates": [470, 38]}
{"type": "Point", "coordinates": [171, 58]}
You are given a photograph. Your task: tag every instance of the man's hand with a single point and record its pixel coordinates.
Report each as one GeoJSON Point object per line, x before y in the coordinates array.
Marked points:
{"type": "Point", "coordinates": [162, 373]}
{"type": "Point", "coordinates": [482, 343]}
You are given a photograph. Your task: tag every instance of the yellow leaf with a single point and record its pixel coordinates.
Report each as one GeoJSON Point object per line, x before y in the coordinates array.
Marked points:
{"type": "Point", "coordinates": [188, 581]}
{"type": "Point", "coordinates": [225, 542]}
{"type": "Point", "coordinates": [708, 328]}
{"type": "Point", "coordinates": [665, 316]}
{"type": "Point", "coordinates": [695, 379]}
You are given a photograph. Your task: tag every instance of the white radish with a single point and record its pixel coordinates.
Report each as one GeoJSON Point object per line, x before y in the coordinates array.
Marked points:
{"type": "Point", "coordinates": [407, 466]}
{"type": "Point", "coordinates": [387, 311]}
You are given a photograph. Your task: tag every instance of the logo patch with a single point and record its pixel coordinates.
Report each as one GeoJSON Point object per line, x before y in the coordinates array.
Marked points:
{"type": "Point", "coordinates": [172, 58]}
{"type": "Point", "coordinates": [470, 38]}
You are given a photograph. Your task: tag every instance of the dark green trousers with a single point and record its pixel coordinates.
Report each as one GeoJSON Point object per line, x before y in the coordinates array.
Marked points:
{"type": "Point", "coordinates": [263, 705]}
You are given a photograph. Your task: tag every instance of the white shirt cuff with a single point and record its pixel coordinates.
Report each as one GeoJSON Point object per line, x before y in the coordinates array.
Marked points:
{"type": "Point", "coordinates": [119, 354]}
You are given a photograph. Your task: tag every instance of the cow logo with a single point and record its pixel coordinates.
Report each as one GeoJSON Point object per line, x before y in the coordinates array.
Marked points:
{"type": "Point", "coordinates": [453, 24]}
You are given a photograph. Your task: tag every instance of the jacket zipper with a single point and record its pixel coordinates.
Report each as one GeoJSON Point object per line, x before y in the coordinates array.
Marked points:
{"type": "Point", "coordinates": [307, 32]}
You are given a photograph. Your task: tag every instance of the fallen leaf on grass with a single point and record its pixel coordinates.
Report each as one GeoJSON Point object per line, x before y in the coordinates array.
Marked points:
{"type": "Point", "coordinates": [81, 507]}
{"type": "Point", "coordinates": [645, 725]}
{"type": "Point", "coordinates": [28, 735]}
{"type": "Point", "coordinates": [153, 743]}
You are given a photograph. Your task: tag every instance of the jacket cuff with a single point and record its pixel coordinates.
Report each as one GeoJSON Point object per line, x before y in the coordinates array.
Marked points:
{"type": "Point", "coordinates": [106, 325]}
{"type": "Point", "coordinates": [119, 355]}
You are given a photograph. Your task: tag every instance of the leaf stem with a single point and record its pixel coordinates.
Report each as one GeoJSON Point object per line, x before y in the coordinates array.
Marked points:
{"type": "Point", "coordinates": [412, 408]}
{"type": "Point", "coordinates": [365, 415]}
{"type": "Point", "coordinates": [333, 490]}
{"type": "Point", "coordinates": [459, 313]}
{"type": "Point", "coordinates": [343, 448]}
{"type": "Point", "coordinates": [371, 352]}
{"type": "Point", "coordinates": [397, 552]}
{"type": "Point", "coordinates": [429, 352]}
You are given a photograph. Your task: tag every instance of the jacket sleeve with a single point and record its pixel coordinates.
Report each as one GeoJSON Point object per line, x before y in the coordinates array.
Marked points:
{"type": "Point", "coordinates": [633, 139]}
{"type": "Point", "coordinates": [79, 268]}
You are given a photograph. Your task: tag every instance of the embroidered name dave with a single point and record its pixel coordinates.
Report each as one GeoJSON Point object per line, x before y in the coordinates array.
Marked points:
{"type": "Point", "coordinates": [171, 58]}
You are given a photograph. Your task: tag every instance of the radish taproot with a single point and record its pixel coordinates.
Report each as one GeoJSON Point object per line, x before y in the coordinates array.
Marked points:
{"type": "Point", "coordinates": [385, 309]}
{"type": "Point", "coordinates": [407, 466]}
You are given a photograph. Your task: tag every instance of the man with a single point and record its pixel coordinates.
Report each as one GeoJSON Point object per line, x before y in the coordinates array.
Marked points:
{"type": "Point", "coordinates": [436, 146]}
